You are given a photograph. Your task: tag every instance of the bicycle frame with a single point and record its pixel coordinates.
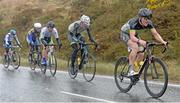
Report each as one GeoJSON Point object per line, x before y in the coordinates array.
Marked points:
{"type": "Point", "coordinates": [148, 58]}
{"type": "Point", "coordinates": [84, 52]}
{"type": "Point", "coordinates": [11, 50]}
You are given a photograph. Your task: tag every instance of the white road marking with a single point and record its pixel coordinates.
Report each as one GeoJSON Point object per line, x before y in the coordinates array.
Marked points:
{"type": "Point", "coordinates": [83, 96]}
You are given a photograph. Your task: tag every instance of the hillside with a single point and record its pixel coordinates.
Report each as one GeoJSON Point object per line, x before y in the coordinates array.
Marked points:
{"type": "Point", "coordinates": [107, 17]}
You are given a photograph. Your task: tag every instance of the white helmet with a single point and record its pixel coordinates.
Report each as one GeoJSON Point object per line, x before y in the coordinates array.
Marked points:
{"type": "Point", "coordinates": [37, 25]}
{"type": "Point", "coordinates": [85, 19]}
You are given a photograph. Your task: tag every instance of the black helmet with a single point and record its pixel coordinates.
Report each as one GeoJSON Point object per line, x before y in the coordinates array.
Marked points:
{"type": "Point", "coordinates": [145, 12]}
{"type": "Point", "coordinates": [50, 24]}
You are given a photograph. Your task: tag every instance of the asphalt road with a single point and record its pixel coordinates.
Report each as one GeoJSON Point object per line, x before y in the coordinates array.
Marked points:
{"type": "Point", "coordinates": [25, 85]}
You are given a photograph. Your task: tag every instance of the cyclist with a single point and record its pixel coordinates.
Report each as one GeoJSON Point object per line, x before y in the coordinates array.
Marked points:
{"type": "Point", "coordinates": [131, 38]}
{"type": "Point", "coordinates": [33, 38]}
{"type": "Point", "coordinates": [45, 37]}
{"type": "Point", "coordinates": [9, 38]}
{"type": "Point", "coordinates": [74, 36]}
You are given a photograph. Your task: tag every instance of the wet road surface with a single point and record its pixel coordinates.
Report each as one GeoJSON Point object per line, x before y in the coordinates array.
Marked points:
{"type": "Point", "coordinates": [25, 85]}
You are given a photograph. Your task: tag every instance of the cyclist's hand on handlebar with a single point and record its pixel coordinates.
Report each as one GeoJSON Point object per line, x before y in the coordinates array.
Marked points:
{"type": "Point", "coordinates": [97, 46]}
{"type": "Point", "coordinates": [166, 44]}
{"type": "Point", "coordinates": [142, 42]}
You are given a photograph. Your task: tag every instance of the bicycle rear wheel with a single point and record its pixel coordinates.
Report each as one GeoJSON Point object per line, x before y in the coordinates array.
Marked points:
{"type": "Point", "coordinates": [89, 69]}
{"type": "Point", "coordinates": [121, 70]}
{"type": "Point", "coordinates": [52, 64]}
{"type": "Point", "coordinates": [156, 78]}
{"type": "Point", "coordinates": [6, 61]}
{"type": "Point", "coordinates": [16, 60]}
{"type": "Point", "coordinates": [70, 69]}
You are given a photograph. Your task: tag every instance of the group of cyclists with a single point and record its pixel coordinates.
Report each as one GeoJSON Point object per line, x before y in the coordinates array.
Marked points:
{"type": "Point", "coordinates": [43, 36]}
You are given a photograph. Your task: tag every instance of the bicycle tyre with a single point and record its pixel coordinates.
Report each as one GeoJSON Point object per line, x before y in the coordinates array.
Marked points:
{"type": "Point", "coordinates": [119, 78]}
{"type": "Point", "coordinates": [6, 61]}
{"type": "Point", "coordinates": [69, 69]}
{"type": "Point", "coordinates": [18, 59]}
{"type": "Point", "coordinates": [52, 61]}
{"type": "Point", "coordinates": [164, 68]}
{"type": "Point", "coordinates": [31, 61]}
{"type": "Point", "coordinates": [89, 76]}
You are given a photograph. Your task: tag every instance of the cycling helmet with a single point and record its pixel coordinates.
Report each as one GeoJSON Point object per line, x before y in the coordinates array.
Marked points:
{"type": "Point", "coordinates": [144, 12]}
{"type": "Point", "coordinates": [13, 32]}
{"type": "Point", "coordinates": [50, 24]}
{"type": "Point", "coordinates": [37, 25]}
{"type": "Point", "coordinates": [85, 19]}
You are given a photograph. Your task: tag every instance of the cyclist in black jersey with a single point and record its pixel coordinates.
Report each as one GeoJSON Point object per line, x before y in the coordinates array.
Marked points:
{"type": "Point", "coordinates": [131, 38]}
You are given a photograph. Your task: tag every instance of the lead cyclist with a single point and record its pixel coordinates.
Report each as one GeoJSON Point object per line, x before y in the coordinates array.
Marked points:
{"type": "Point", "coordinates": [131, 38]}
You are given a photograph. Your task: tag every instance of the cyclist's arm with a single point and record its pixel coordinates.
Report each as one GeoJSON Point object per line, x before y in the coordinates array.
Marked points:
{"type": "Point", "coordinates": [76, 26]}
{"type": "Point", "coordinates": [90, 36]}
{"type": "Point", "coordinates": [55, 33]}
{"type": "Point", "coordinates": [6, 39]}
{"type": "Point", "coordinates": [29, 38]}
{"type": "Point", "coordinates": [135, 39]}
{"type": "Point", "coordinates": [42, 36]}
{"type": "Point", "coordinates": [132, 36]}
{"type": "Point", "coordinates": [157, 36]}
{"type": "Point", "coordinates": [17, 40]}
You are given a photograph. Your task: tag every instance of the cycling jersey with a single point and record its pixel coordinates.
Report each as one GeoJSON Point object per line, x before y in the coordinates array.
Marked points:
{"type": "Point", "coordinates": [33, 37]}
{"type": "Point", "coordinates": [133, 24]}
{"type": "Point", "coordinates": [46, 35]}
{"type": "Point", "coordinates": [75, 29]}
{"type": "Point", "coordinates": [9, 38]}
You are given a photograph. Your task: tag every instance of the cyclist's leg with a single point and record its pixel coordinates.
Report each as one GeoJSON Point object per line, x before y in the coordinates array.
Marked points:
{"type": "Point", "coordinates": [38, 48]}
{"type": "Point", "coordinates": [82, 39]}
{"type": "Point", "coordinates": [31, 49]}
{"type": "Point", "coordinates": [133, 53]}
{"type": "Point", "coordinates": [44, 52]}
{"type": "Point", "coordinates": [132, 48]}
{"type": "Point", "coordinates": [140, 57]}
{"type": "Point", "coordinates": [44, 55]}
{"type": "Point", "coordinates": [74, 53]}
{"type": "Point", "coordinates": [74, 46]}
{"type": "Point", "coordinates": [6, 51]}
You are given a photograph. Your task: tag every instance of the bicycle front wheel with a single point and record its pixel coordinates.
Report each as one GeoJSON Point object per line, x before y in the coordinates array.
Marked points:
{"type": "Point", "coordinates": [31, 61]}
{"type": "Point", "coordinates": [70, 69]}
{"type": "Point", "coordinates": [156, 78]}
{"type": "Point", "coordinates": [16, 60]}
{"type": "Point", "coordinates": [89, 69]}
{"type": "Point", "coordinates": [52, 64]}
{"type": "Point", "coordinates": [123, 82]}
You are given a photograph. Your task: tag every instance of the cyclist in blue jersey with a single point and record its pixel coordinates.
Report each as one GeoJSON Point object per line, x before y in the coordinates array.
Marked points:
{"type": "Point", "coordinates": [33, 38]}
{"type": "Point", "coordinates": [8, 39]}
